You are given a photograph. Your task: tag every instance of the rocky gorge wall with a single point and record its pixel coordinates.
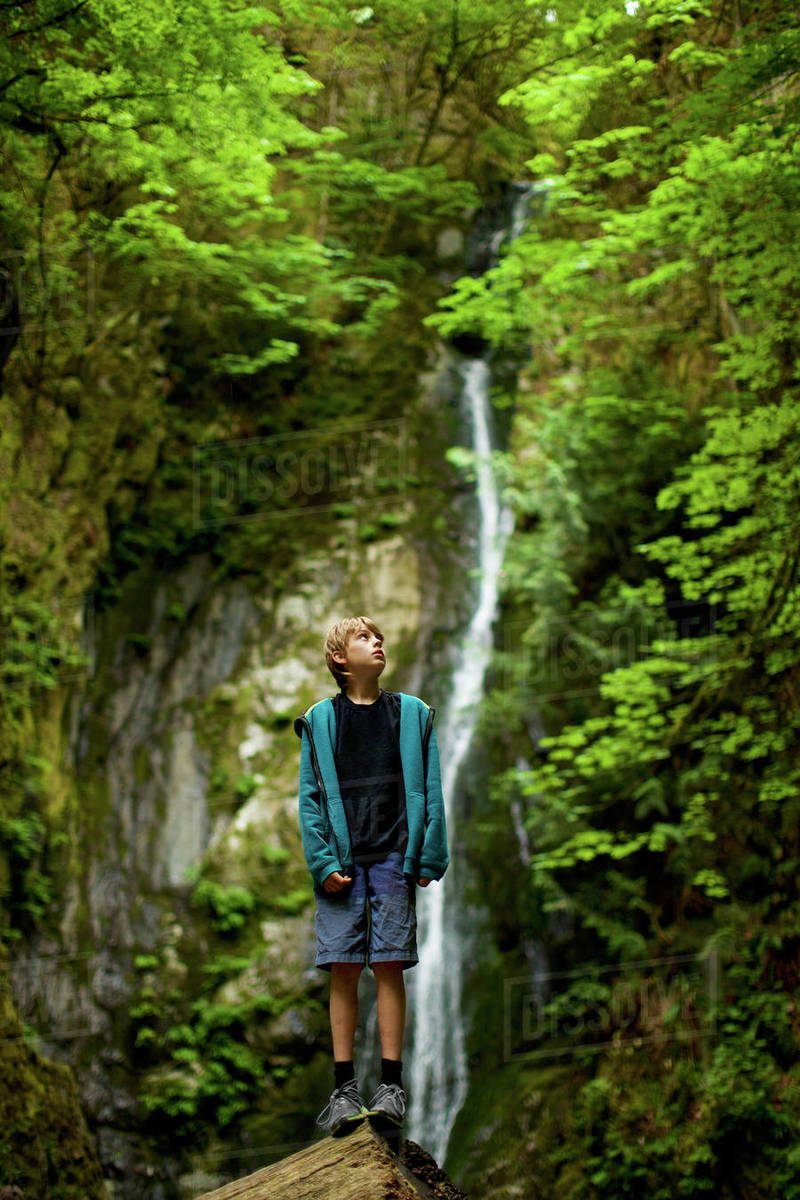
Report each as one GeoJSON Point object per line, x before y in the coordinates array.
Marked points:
{"type": "Point", "coordinates": [178, 981]}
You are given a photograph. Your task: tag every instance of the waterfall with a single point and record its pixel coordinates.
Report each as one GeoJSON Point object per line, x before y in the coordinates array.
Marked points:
{"type": "Point", "coordinates": [435, 1062]}
{"type": "Point", "coordinates": [438, 1071]}
{"type": "Point", "coordinates": [438, 1076]}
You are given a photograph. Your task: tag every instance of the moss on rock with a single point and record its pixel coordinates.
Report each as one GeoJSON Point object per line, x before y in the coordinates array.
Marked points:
{"type": "Point", "coordinates": [46, 1148]}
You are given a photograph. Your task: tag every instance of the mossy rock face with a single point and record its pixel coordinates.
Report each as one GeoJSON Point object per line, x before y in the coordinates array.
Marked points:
{"type": "Point", "coordinates": [43, 1135]}
{"type": "Point", "coordinates": [206, 646]}
{"type": "Point", "coordinates": [504, 1140]}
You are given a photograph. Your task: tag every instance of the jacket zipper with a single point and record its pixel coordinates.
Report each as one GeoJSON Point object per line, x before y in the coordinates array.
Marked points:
{"type": "Point", "coordinates": [425, 739]}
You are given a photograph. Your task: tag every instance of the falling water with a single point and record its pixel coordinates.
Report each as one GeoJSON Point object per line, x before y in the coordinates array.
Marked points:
{"type": "Point", "coordinates": [438, 1076]}
{"type": "Point", "coordinates": [436, 1073]}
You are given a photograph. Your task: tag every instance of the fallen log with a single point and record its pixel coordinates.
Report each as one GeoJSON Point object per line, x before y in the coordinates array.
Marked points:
{"type": "Point", "coordinates": [361, 1165]}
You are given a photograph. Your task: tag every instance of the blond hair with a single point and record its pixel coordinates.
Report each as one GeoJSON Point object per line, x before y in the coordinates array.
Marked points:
{"type": "Point", "coordinates": [338, 637]}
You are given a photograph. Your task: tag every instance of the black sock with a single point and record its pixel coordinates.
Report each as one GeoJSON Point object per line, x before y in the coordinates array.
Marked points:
{"type": "Point", "coordinates": [343, 1071]}
{"type": "Point", "coordinates": [391, 1069]}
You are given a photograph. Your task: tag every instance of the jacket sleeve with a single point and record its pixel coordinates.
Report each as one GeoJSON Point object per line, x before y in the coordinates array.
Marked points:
{"type": "Point", "coordinates": [314, 824]}
{"type": "Point", "coordinates": [434, 856]}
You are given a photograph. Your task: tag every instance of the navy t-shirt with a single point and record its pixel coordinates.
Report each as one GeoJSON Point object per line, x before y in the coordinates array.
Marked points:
{"type": "Point", "coordinates": [370, 774]}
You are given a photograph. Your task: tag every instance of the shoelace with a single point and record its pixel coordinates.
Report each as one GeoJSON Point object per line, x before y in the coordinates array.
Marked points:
{"type": "Point", "coordinates": [349, 1089]}
{"type": "Point", "coordinates": [389, 1090]}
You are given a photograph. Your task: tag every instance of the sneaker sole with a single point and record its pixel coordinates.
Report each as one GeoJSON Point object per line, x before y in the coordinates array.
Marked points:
{"type": "Point", "coordinates": [384, 1120]}
{"type": "Point", "coordinates": [348, 1123]}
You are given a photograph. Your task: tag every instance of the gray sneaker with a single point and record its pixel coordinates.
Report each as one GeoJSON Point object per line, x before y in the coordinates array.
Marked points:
{"type": "Point", "coordinates": [388, 1103]}
{"type": "Point", "coordinates": [344, 1109]}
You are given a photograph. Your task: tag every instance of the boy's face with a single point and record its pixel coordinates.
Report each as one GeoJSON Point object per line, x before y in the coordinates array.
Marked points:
{"type": "Point", "coordinates": [365, 655]}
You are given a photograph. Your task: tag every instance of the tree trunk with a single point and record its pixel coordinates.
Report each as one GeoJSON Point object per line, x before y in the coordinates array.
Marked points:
{"type": "Point", "coordinates": [357, 1166]}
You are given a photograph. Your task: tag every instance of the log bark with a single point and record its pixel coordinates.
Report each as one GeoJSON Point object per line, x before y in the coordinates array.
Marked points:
{"type": "Point", "coordinates": [358, 1166]}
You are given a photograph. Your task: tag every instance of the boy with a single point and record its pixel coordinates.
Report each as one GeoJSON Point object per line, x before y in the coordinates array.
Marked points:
{"type": "Point", "coordinates": [373, 826]}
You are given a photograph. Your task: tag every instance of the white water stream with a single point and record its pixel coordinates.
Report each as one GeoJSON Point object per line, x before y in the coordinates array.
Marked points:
{"type": "Point", "coordinates": [435, 1069]}
{"type": "Point", "coordinates": [437, 1073]}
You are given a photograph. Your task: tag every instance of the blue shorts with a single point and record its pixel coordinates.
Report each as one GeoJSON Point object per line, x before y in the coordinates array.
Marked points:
{"type": "Point", "coordinates": [378, 891]}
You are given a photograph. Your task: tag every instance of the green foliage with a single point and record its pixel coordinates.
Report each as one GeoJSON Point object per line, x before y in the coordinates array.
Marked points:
{"type": "Point", "coordinates": [228, 904]}
{"type": "Point", "coordinates": [296, 901]}
{"type": "Point", "coordinates": [202, 1068]}
{"type": "Point", "coordinates": [145, 962]}
{"type": "Point", "coordinates": [450, 62]}
{"type": "Point", "coordinates": [151, 84]}
{"type": "Point", "coordinates": [273, 855]}
{"type": "Point", "coordinates": [27, 846]}
{"type": "Point", "coordinates": [30, 890]}
{"type": "Point", "coordinates": [221, 227]}
{"type": "Point", "coordinates": [742, 1107]}
{"type": "Point", "coordinates": [38, 648]}
{"type": "Point", "coordinates": [651, 596]}
{"type": "Point", "coordinates": [245, 786]}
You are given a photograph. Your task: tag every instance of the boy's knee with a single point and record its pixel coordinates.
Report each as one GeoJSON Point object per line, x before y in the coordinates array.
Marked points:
{"type": "Point", "coordinates": [389, 968]}
{"type": "Point", "coordinates": [347, 968]}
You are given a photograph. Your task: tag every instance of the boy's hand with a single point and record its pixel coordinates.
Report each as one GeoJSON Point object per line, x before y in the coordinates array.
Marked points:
{"type": "Point", "coordinates": [335, 881]}
{"type": "Point", "coordinates": [424, 880]}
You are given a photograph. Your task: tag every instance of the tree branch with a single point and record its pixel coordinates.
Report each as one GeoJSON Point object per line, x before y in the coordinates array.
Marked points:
{"type": "Point", "coordinates": [46, 24]}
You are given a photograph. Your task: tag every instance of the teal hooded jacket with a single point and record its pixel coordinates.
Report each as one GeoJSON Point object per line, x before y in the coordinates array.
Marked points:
{"type": "Point", "coordinates": [323, 821]}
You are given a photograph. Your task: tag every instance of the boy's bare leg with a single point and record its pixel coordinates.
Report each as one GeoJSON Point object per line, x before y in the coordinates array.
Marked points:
{"type": "Point", "coordinates": [391, 1007]}
{"type": "Point", "coordinates": [344, 1008]}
